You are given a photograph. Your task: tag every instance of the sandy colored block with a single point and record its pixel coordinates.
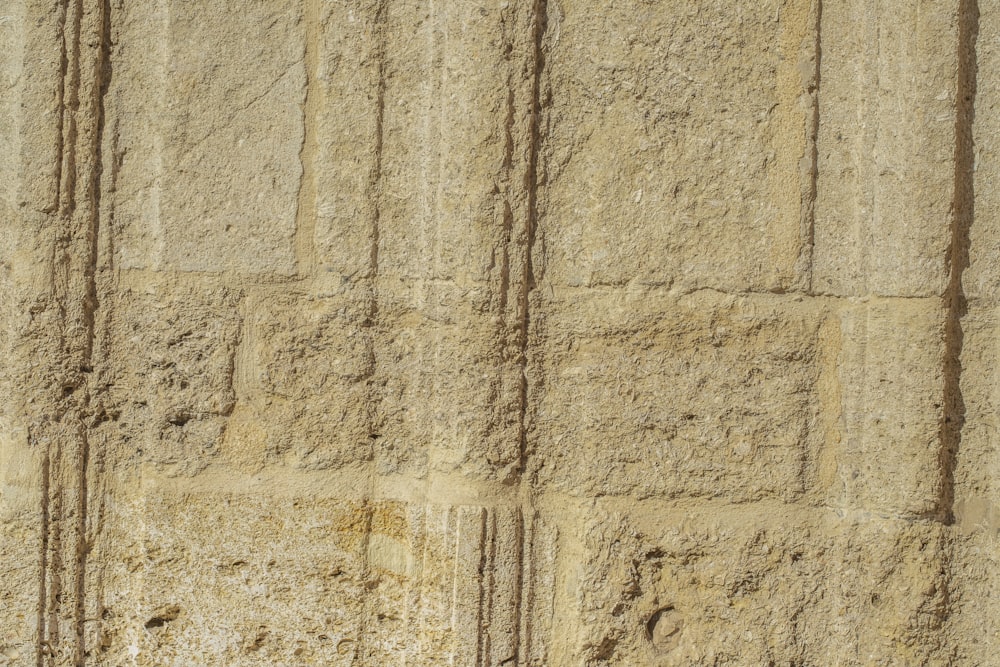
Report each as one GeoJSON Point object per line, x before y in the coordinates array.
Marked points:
{"type": "Point", "coordinates": [480, 218]}
{"type": "Point", "coordinates": [455, 144]}
{"type": "Point", "coordinates": [886, 148]}
{"type": "Point", "coordinates": [175, 379]}
{"type": "Point", "coordinates": [21, 520]}
{"type": "Point", "coordinates": [408, 169]}
{"type": "Point", "coordinates": [12, 35]}
{"type": "Point", "coordinates": [305, 363]}
{"type": "Point", "coordinates": [976, 492]}
{"type": "Point", "coordinates": [892, 393]}
{"type": "Point", "coordinates": [347, 100]}
{"type": "Point", "coordinates": [282, 584]}
{"type": "Point", "coordinates": [136, 99]}
{"type": "Point", "coordinates": [668, 167]}
{"type": "Point", "coordinates": [392, 556]}
{"type": "Point", "coordinates": [539, 618]}
{"type": "Point", "coordinates": [451, 383]}
{"type": "Point", "coordinates": [457, 597]}
{"type": "Point", "coordinates": [431, 585]}
{"type": "Point", "coordinates": [40, 95]}
{"type": "Point", "coordinates": [453, 232]}
{"type": "Point", "coordinates": [500, 643]}
{"type": "Point", "coordinates": [974, 580]}
{"type": "Point", "coordinates": [976, 476]}
{"type": "Point", "coordinates": [706, 395]}
{"type": "Point", "coordinates": [231, 87]}
{"type": "Point", "coordinates": [441, 410]}
{"type": "Point", "coordinates": [980, 169]}
{"type": "Point", "coordinates": [753, 584]}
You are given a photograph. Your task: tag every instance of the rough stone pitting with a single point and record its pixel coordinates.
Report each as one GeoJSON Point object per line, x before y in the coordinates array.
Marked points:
{"type": "Point", "coordinates": [481, 333]}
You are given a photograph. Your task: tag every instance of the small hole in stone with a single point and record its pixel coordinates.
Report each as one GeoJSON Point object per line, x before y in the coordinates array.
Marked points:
{"type": "Point", "coordinates": [162, 616]}
{"type": "Point", "coordinates": [663, 629]}
{"type": "Point", "coordinates": [179, 418]}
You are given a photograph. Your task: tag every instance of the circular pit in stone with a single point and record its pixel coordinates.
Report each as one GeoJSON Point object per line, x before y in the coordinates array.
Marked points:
{"type": "Point", "coordinates": [663, 629]}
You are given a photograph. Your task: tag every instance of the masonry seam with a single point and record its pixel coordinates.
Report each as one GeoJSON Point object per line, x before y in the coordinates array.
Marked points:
{"type": "Point", "coordinates": [962, 211]}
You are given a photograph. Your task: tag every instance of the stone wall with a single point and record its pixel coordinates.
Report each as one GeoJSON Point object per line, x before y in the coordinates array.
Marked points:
{"type": "Point", "coordinates": [483, 333]}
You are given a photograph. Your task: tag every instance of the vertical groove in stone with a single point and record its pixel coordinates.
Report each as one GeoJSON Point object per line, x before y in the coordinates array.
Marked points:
{"type": "Point", "coordinates": [811, 158]}
{"type": "Point", "coordinates": [375, 195]}
{"type": "Point", "coordinates": [520, 648]}
{"type": "Point", "coordinates": [374, 395]}
{"type": "Point", "coordinates": [376, 178]}
{"type": "Point", "coordinates": [963, 211]}
{"type": "Point", "coordinates": [503, 626]}
{"type": "Point", "coordinates": [61, 94]}
{"type": "Point", "coordinates": [487, 586]}
{"type": "Point", "coordinates": [305, 224]}
{"type": "Point", "coordinates": [531, 178]}
{"type": "Point", "coordinates": [43, 558]}
{"type": "Point", "coordinates": [85, 44]}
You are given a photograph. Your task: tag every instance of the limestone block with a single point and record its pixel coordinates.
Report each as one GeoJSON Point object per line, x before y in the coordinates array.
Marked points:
{"type": "Point", "coordinates": [892, 394]}
{"type": "Point", "coordinates": [28, 173]}
{"type": "Point", "coordinates": [670, 167]}
{"type": "Point", "coordinates": [467, 429]}
{"type": "Point", "coordinates": [136, 100]}
{"type": "Point", "coordinates": [886, 148]}
{"type": "Point", "coordinates": [541, 620]}
{"type": "Point", "coordinates": [40, 96]}
{"type": "Point", "coordinates": [462, 603]}
{"type": "Point", "coordinates": [774, 584]}
{"type": "Point", "coordinates": [305, 363]}
{"type": "Point", "coordinates": [12, 35]}
{"type": "Point", "coordinates": [20, 542]}
{"type": "Point", "coordinates": [980, 169]}
{"type": "Point", "coordinates": [974, 581]}
{"type": "Point", "coordinates": [976, 490]}
{"type": "Point", "coordinates": [175, 374]}
{"type": "Point", "coordinates": [646, 394]}
{"type": "Point", "coordinates": [230, 85]}
{"type": "Point", "coordinates": [975, 466]}
{"type": "Point", "coordinates": [454, 143]}
{"type": "Point", "coordinates": [453, 234]}
{"type": "Point", "coordinates": [348, 107]}
{"type": "Point", "coordinates": [409, 162]}
{"type": "Point", "coordinates": [297, 580]}
{"type": "Point", "coordinates": [452, 383]}
{"type": "Point", "coordinates": [977, 475]}
{"type": "Point", "coordinates": [282, 583]}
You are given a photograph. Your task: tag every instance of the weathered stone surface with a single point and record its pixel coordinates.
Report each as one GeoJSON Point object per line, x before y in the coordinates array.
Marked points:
{"type": "Point", "coordinates": [12, 36]}
{"type": "Point", "coordinates": [281, 583]}
{"type": "Point", "coordinates": [223, 179]}
{"type": "Point", "coordinates": [304, 365]}
{"type": "Point", "coordinates": [885, 176]}
{"type": "Point", "coordinates": [174, 388]}
{"type": "Point", "coordinates": [669, 165]}
{"type": "Point", "coordinates": [717, 584]}
{"type": "Point", "coordinates": [892, 397]}
{"type": "Point", "coordinates": [495, 333]}
{"type": "Point", "coordinates": [734, 419]}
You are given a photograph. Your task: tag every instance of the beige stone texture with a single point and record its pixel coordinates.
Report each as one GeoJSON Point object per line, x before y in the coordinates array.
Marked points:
{"type": "Point", "coordinates": [495, 333]}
